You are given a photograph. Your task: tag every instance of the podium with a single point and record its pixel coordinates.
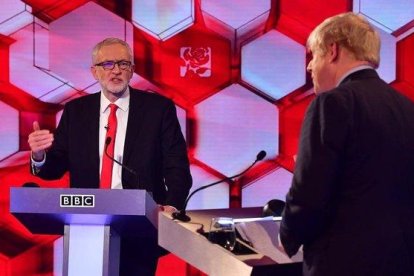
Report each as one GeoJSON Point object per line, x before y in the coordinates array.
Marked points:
{"type": "Point", "coordinates": [91, 220]}
{"type": "Point", "coordinates": [186, 241]}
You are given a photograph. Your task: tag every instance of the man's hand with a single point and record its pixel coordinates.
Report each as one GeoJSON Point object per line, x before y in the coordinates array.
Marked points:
{"type": "Point", "coordinates": [167, 208]}
{"type": "Point", "coordinates": [280, 245]}
{"type": "Point", "coordinates": [39, 140]}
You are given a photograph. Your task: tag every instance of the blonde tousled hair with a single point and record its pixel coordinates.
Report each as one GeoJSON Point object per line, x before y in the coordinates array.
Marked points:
{"type": "Point", "coordinates": [350, 31]}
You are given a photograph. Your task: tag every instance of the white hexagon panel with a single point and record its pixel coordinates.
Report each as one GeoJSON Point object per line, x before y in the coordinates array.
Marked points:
{"type": "Point", "coordinates": [14, 17]}
{"type": "Point", "coordinates": [274, 64]}
{"type": "Point", "coordinates": [29, 63]}
{"type": "Point", "coordinates": [9, 131]}
{"type": "Point", "coordinates": [385, 14]}
{"type": "Point", "coordinates": [235, 21]}
{"type": "Point", "coordinates": [211, 198]}
{"type": "Point", "coordinates": [73, 36]}
{"type": "Point", "coordinates": [274, 185]}
{"type": "Point", "coordinates": [384, 24]}
{"type": "Point", "coordinates": [388, 56]}
{"type": "Point", "coordinates": [233, 126]}
{"type": "Point", "coordinates": [162, 18]}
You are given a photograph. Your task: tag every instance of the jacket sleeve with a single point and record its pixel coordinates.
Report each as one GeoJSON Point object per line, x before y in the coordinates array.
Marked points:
{"type": "Point", "coordinates": [311, 198]}
{"type": "Point", "coordinates": [57, 156]}
{"type": "Point", "coordinates": [176, 168]}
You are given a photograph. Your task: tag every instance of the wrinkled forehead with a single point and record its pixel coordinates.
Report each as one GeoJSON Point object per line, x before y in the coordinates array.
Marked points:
{"type": "Point", "coordinates": [113, 52]}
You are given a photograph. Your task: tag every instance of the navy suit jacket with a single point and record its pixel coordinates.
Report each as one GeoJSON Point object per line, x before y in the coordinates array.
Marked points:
{"type": "Point", "coordinates": [154, 147]}
{"type": "Point", "coordinates": [351, 203]}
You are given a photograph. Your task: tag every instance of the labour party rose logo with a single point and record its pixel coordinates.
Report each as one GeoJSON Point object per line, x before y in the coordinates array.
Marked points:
{"type": "Point", "coordinates": [197, 62]}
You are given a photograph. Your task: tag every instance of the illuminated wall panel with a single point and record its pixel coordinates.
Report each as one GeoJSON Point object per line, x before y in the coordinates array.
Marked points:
{"type": "Point", "coordinates": [230, 133]}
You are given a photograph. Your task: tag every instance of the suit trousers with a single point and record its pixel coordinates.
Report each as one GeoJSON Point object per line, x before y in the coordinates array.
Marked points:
{"type": "Point", "coordinates": [139, 256]}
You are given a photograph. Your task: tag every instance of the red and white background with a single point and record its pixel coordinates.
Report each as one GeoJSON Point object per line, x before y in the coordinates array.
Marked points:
{"type": "Point", "coordinates": [236, 70]}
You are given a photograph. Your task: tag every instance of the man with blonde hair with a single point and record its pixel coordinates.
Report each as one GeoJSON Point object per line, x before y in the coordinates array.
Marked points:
{"type": "Point", "coordinates": [351, 203]}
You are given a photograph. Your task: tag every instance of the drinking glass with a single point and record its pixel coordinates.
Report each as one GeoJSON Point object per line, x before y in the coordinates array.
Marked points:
{"type": "Point", "coordinates": [222, 232]}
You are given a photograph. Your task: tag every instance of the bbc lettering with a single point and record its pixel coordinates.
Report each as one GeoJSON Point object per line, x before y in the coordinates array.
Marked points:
{"type": "Point", "coordinates": [77, 200]}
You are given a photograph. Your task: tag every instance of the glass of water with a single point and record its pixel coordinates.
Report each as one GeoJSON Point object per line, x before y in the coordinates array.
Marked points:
{"type": "Point", "coordinates": [222, 232]}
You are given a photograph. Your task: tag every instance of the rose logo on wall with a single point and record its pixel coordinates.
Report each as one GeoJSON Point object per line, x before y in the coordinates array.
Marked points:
{"type": "Point", "coordinates": [197, 62]}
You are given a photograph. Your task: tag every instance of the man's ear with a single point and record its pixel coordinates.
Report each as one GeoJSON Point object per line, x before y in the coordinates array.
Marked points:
{"type": "Point", "coordinates": [333, 52]}
{"type": "Point", "coordinates": [93, 71]}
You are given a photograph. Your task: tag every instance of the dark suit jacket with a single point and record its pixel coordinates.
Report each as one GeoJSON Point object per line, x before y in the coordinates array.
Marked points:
{"type": "Point", "coordinates": [154, 147]}
{"type": "Point", "coordinates": [351, 203]}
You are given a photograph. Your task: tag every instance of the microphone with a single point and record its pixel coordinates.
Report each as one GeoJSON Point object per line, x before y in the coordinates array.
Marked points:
{"type": "Point", "coordinates": [273, 208]}
{"type": "Point", "coordinates": [30, 185]}
{"type": "Point", "coordinates": [107, 142]}
{"type": "Point", "coordinates": [181, 215]}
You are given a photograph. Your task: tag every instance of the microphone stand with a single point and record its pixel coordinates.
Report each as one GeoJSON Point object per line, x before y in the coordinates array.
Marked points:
{"type": "Point", "coordinates": [107, 142]}
{"type": "Point", "coordinates": [182, 216]}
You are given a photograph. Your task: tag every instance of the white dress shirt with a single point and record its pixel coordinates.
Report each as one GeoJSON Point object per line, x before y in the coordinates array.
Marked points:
{"type": "Point", "coordinates": [122, 118]}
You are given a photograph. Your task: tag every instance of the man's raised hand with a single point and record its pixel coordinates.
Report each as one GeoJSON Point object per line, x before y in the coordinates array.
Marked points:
{"type": "Point", "coordinates": [39, 140]}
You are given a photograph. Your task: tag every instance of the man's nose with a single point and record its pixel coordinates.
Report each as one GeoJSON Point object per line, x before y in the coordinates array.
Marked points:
{"type": "Point", "coordinates": [116, 69]}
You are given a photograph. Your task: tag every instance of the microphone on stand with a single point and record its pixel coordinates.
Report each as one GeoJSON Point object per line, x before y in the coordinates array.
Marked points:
{"type": "Point", "coordinates": [30, 185]}
{"type": "Point", "coordinates": [181, 215]}
{"type": "Point", "coordinates": [274, 208]}
{"type": "Point", "coordinates": [107, 142]}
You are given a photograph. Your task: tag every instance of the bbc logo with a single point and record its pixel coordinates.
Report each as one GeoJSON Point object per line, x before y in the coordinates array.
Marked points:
{"type": "Point", "coordinates": [77, 200]}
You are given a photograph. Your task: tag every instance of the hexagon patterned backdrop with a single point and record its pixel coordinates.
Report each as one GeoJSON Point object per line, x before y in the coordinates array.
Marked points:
{"type": "Point", "coordinates": [236, 69]}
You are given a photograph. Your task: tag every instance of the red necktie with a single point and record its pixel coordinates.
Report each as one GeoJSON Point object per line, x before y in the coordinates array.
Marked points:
{"type": "Point", "coordinates": [108, 163]}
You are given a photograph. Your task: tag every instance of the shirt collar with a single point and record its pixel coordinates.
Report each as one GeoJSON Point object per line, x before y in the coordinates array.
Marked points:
{"type": "Point", "coordinates": [353, 70]}
{"type": "Point", "coordinates": [122, 103]}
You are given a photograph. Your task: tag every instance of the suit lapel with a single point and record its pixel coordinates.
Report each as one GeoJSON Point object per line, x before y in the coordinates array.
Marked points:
{"type": "Point", "coordinates": [135, 119]}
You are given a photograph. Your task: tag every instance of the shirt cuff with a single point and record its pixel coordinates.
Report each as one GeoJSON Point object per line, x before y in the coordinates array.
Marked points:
{"type": "Point", "coordinates": [36, 165]}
